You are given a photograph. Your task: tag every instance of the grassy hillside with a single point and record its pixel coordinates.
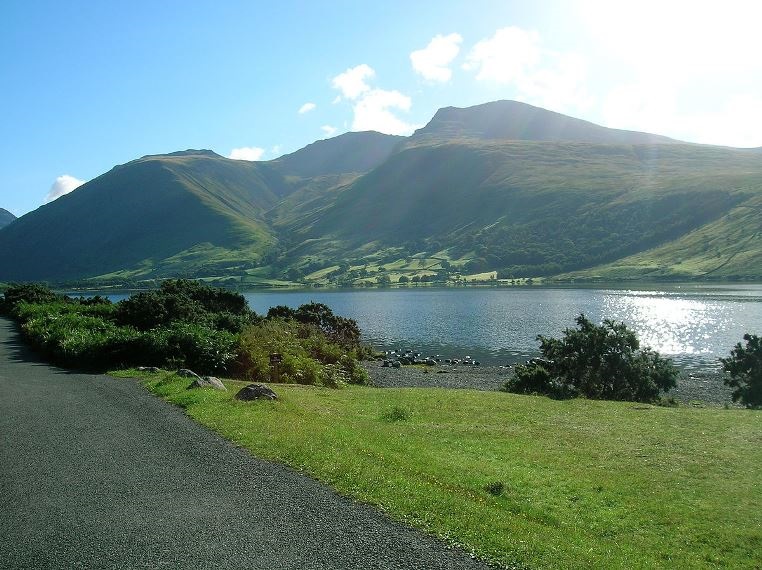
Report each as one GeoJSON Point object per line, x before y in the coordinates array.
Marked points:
{"type": "Point", "coordinates": [533, 208]}
{"type": "Point", "coordinates": [142, 217]}
{"type": "Point", "coordinates": [728, 248]}
{"type": "Point", "coordinates": [5, 217]}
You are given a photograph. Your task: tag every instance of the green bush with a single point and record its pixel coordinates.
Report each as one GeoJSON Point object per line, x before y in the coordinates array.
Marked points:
{"type": "Point", "coordinates": [595, 361]}
{"type": "Point", "coordinates": [81, 341]}
{"type": "Point", "coordinates": [194, 346]}
{"type": "Point", "coordinates": [338, 329]}
{"type": "Point", "coordinates": [185, 301]}
{"type": "Point", "coordinates": [744, 366]}
{"type": "Point", "coordinates": [25, 293]}
{"type": "Point", "coordinates": [189, 324]}
{"type": "Point", "coordinates": [309, 355]}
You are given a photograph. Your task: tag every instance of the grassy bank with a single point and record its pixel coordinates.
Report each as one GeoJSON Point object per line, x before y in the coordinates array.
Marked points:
{"type": "Point", "coordinates": [522, 480]}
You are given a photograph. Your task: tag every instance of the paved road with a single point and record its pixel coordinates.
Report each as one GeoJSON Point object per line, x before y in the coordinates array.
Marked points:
{"type": "Point", "coordinates": [97, 473]}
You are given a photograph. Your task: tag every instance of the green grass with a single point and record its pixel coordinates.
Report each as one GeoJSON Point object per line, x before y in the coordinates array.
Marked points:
{"type": "Point", "coordinates": [526, 481]}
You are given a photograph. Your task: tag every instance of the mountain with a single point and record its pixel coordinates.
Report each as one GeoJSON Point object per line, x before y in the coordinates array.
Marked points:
{"type": "Point", "coordinates": [512, 120]}
{"type": "Point", "coordinates": [5, 217]}
{"type": "Point", "coordinates": [190, 211]}
{"type": "Point", "coordinates": [534, 208]}
{"type": "Point", "coordinates": [502, 187]}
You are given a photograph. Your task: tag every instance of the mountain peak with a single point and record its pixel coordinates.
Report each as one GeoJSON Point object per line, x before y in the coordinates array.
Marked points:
{"type": "Point", "coordinates": [514, 120]}
{"type": "Point", "coordinates": [195, 152]}
{"type": "Point", "coordinates": [5, 217]}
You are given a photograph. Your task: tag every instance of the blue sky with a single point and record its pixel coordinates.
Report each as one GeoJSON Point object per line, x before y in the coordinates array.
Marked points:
{"type": "Point", "coordinates": [87, 85]}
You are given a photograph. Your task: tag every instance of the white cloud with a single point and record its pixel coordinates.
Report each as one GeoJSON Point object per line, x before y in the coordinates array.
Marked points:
{"type": "Point", "coordinates": [373, 112]}
{"type": "Point", "coordinates": [506, 57]}
{"type": "Point", "coordinates": [373, 108]}
{"type": "Point", "coordinates": [516, 57]}
{"type": "Point", "coordinates": [560, 86]}
{"type": "Point", "coordinates": [432, 62]}
{"type": "Point", "coordinates": [678, 39]}
{"type": "Point", "coordinates": [352, 83]}
{"type": "Point", "coordinates": [328, 130]}
{"type": "Point", "coordinates": [247, 153]}
{"type": "Point", "coordinates": [306, 108]}
{"type": "Point", "coordinates": [63, 185]}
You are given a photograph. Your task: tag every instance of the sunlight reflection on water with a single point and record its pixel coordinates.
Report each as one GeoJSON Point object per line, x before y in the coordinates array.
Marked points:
{"type": "Point", "coordinates": [674, 326]}
{"type": "Point", "coordinates": [693, 324]}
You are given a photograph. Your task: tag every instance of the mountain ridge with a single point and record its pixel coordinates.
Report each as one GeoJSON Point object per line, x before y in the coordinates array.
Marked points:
{"type": "Point", "coordinates": [501, 187]}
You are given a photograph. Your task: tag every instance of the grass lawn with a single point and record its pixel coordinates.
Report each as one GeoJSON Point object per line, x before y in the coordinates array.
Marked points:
{"type": "Point", "coordinates": [575, 484]}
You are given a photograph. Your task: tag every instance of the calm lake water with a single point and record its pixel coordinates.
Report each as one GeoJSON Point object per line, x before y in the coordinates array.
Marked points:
{"type": "Point", "coordinates": [693, 324]}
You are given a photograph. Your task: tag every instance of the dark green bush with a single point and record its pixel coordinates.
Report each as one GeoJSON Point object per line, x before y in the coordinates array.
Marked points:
{"type": "Point", "coordinates": [187, 301]}
{"type": "Point", "coordinates": [190, 345]}
{"type": "Point", "coordinates": [595, 361]}
{"type": "Point", "coordinates": [744, 367]}
{"type": "Point", "coordinates": [25, 293]}
{"type": "Point", "coordinates": [341, 330]}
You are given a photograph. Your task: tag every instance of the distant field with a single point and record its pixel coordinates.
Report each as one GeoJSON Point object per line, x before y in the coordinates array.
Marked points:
{"type": "Point", "coordinates": [525, 481]}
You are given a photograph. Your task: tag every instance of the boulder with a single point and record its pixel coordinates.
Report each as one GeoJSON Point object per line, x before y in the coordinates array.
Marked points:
{"type": "Point", "coordinates": [207, 382]}
{"type": "Point", "coordinates": [185, 373]}
{"type": "Point", "coordinates": [256, 392]}
{"type": "Point", "coordinates": [148, 368]}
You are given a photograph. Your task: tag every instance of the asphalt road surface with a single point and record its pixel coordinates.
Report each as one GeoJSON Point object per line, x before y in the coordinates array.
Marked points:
{"type": "Point", "coordinates": [97, 473]}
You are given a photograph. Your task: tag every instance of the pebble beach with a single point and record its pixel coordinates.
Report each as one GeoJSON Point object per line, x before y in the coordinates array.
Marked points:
{"type": "Point", "coordinates": [693, 388]}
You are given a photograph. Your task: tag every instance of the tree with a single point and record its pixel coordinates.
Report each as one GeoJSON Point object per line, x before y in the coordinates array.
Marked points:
{"type": "Point", "coordinates": [745, 369]}
{"type": "Point", "coordinates": [595, 361]}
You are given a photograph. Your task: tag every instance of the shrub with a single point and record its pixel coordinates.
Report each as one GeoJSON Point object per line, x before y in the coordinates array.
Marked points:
{"type": "Point", "coordinates": [182, 300]}
{"type": "Point", "coordinates": [195, 346]}
{"type": "Point", "coordinates": [26, 293]}
{"type": "Point", "coordinates": [81, 341]}
{"type": "Point", "coordinates": [744, 366]}
{"type": "Point", "coordinates": [341, 330]}
{"type": "Point", "coordinates": [596, 361]}
{"type": "Point", "coordinates": [309, 356]}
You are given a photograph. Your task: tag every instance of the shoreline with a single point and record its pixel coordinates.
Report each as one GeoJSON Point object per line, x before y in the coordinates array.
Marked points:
{"type": "Point", "coordinates": [693, 388]}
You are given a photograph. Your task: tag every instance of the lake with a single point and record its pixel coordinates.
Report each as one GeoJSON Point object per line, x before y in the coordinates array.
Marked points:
{"type": "Point", "coordinates": [693, 324]}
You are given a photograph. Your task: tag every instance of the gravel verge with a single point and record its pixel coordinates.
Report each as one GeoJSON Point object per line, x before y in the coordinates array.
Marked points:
{"type": "Point", "coordinates": [694, 388]}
